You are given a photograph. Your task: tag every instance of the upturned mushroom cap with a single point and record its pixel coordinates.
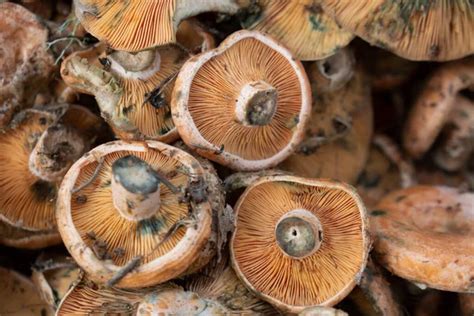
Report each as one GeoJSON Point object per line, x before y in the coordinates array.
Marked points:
{"type": "Point", "coordinates": [300, 242]}
{"type": "Point", "coordinates": [25, 64]}
{"type": "Point", "coordinates": [434, 105]}
{"type": "Point", "coordinates": [300, 25]}
{"type": "Point", "coordinates": [417, 30]}
{"type": "Point", "coordinates": [415, 231]}
{"type": "Point", "coordinates": [142, 24]}
{"type": "Point", "coordinates": [133, 90]}
{"type": "Point", "coordinates": [19, 296]}
{"type": "Point", "coordinates": [134, 214]}
{"type": "Point", "coordinates": [338, 138]}
{"type": "Point", "coordinates": [36, 150]}
{"type": "Point", "coordinates": [244, 104]}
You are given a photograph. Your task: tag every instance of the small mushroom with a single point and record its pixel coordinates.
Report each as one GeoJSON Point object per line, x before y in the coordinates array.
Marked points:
{"type": "Point", "coordinates": [142, 24]}
{"type": "Point", "coordinates": [435, 104]}
{"type": "Point", "coordinates": [417, 30]}
{"type": "Point", "coordinates": [300, 25]}
{"type": "Point", "coordinates": [415, 231]}
{"type": "Point", "coordinates": [25, 65]}
{"type": "Point", "coordinates": [19, 296]}
{"type": "Point", "coordinates": [244, 104]}
{"type": "Point", "coordinates": [193, 35]}
{"type": "Point", "coordinates": [299, 242]}
{"type": "Point", "coordinates": [35, 152]}
{"type": "Point", "coordinates": [135, 214]}
{"type": "Point", "coordinates": [133, 90]}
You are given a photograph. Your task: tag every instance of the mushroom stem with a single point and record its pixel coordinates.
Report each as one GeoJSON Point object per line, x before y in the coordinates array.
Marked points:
{"type": "Point", "coordinates": [55, 151]}
{"type": "Point", "coordinates": [135, 188]}
{"type": "Point", "coordinates": [299, 233]}
{"type": "Point", "coordinates": [256, 104]}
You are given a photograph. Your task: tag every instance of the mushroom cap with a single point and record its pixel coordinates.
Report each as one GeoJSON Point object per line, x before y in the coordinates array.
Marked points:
{"type": "Point", "coordinates": [141, 24]}
{"type": "Point", "coordinates": [322, 311]}
{"type": "Point", "coordinates": [25, 239]}
{"type": "Point", "coordinates": [302, 26]}
{"type": "Point", "coordinates": [415, 230]}
{"type": "Point", "coordinates": [103, 242]}
{"type": "Point", "coordinates": [25, 65]}
{"type": "Point", "coordinates": [434, 104]}
{"type": "Point", "coordinates": [19, 296]}
{"type": "Point", "coordinates": [26, 200]}
{"type": "Point", "coordinates": [291, 275]}
{"type": "Point", "coordinates": [343, 157]}
{"type": "Point", "coordinates": [209, 88]}
{"type": "Point", "coordinates": [418, 30]}
{"type": "Point", "coordinates": [124, 91]}
{"type": "Point", "coordinates": [192, 35]}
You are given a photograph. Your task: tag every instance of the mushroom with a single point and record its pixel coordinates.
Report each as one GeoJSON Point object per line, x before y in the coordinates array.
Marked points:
{"type": "Point", "coordinates": [300, 25]}
{"type": "Point", "coordinates": [434, 105]}
{"type": "Point", "coordinates": [53, 275]}
{"type": "Point", "coordinates": [21, 238]}
{"type": "Point", "coordinates": [135, 214]}
{"type": "Point", "coordinates": [418, 30]}
{"type": "Point", "coordinates": [36, 150]}
{"type": "Point", "coordinates": [25, 65]}
{"type": "Point", "coordinates": [19, 296]}
{"type": "Point", "coordinates": [466, 302]}
{"type": "Point", "coordinates": [142, 24]}
{"type": "Point", "coordinates": [299, 242]}
{"type": "Point", "coordinates": [133, 90]}
{"type": "Point", "coordinates": [322, 311]}
{"type": "Point", "coordinates": [244, 104]}
{"type": "Point", "coordinates": [338, 138]}
{"type": "Point", "coordinates": [192, 35]}
{"type": "Point", "coordinates": [415, 231]}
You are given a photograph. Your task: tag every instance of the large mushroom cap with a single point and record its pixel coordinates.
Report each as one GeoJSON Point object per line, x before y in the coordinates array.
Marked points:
{"type": "Point", "coordinates": [244, 104]}
{"type": "Point", "coordinates": [418, 30]}
{"type": "Point", "coordinates": [133, 90]}
{"type": "Point", "coordinates": [134, 213]}
{"type": "Point", "coordinates": [302, 26]}
{"type": "Point", "coordinates": [300, 242]}
{"type": "Point", "coordinates": [424, 234]}
{"type": "Point", "coordinates": [141, 24]}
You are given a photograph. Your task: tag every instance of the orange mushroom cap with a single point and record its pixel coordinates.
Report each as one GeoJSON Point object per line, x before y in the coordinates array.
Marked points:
{"type": "Point", "coordinates": [142, 24]}
{"type": "Point", "coordinates": [300, 25]}
{"type": "Point", "coordinates": [417, 30]}
{"type": "Point", "coordinates": [299, 242]}
{"type": "Point", "coordinates": [416, 230]}
{"type": "Point", "coordinates": [244, 104]}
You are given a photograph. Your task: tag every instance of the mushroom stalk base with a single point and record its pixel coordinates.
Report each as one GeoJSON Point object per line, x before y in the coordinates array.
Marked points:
{"type": "Point", "coordinates": [135, 188]}
{"type": "Point", "coordinates": [256, 104]}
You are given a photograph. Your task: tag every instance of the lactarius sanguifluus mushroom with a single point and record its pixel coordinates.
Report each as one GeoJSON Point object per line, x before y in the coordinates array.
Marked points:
{"type": "Point", "coordinates": [135, 214]}
{"type": "Point", "coordinates": [19, 296]}
{"type": "Point", "coordinates": [300, 25]}
{"type": "Point", "coordinates": [417, 30]}
{"type": "Point", "coordinates": [133, 90]}
{"type": "Point", "coordinates": [36, 150]}
{"type": "Point", "coordinates": [142, 24]}
{"type": "Point", "coordinates": [244, 104]}
{"type": "Point", "coordinates": [337, 141]}
{"type": "Point", "coordinates": [194, 36]}
{"type": "Point", "coordinates": [322, 311]}
{"type": "Point", "coordinates": [25, 65]}
{"type": "Point", "coordinates": [299, 242]}
{"type": "Point", "coordinates": [434, 105]}
{"type": "Point", "coordinates": [424, 234]}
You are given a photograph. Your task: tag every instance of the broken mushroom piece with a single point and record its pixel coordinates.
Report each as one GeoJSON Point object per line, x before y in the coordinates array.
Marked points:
{"type": "Point", "coordinates": [299, 242]}
{"type": "Point", "coordinates": [435, 104]}
{"type": "Point", "coordinates": [19, 296]}
{"type": "Point", "coordinates": [133, 90]}
{"type": "Point", "coordinates": [36, 150]}
{"type": "Point", "coordinates": [300, 25]}
{"type": "Point", "coordinates": [135, 214]}
{"type": "Point", "coordinates": [25, 64]}
{"type": "Point", "coordinates": [415, 231]}
{"type": "Point", "coordinates": [418, 30]}
{"type": "Point", "coordinates": [142, 24]}
{"type": "Point", "coordinates": [192, 35]}
{"type": "Point", "coordinates": [244, 104]}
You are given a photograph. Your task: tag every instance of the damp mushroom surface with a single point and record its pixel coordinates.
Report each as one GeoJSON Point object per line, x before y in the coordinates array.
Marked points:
{"type": "Point", "coordinates": [244, 104]}
{"type": "Point", "coordinates": [299, 242]}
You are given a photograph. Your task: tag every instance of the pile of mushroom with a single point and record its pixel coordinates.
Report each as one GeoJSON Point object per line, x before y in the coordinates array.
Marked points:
{"type": "Point", "coordinates": [237, 157]}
